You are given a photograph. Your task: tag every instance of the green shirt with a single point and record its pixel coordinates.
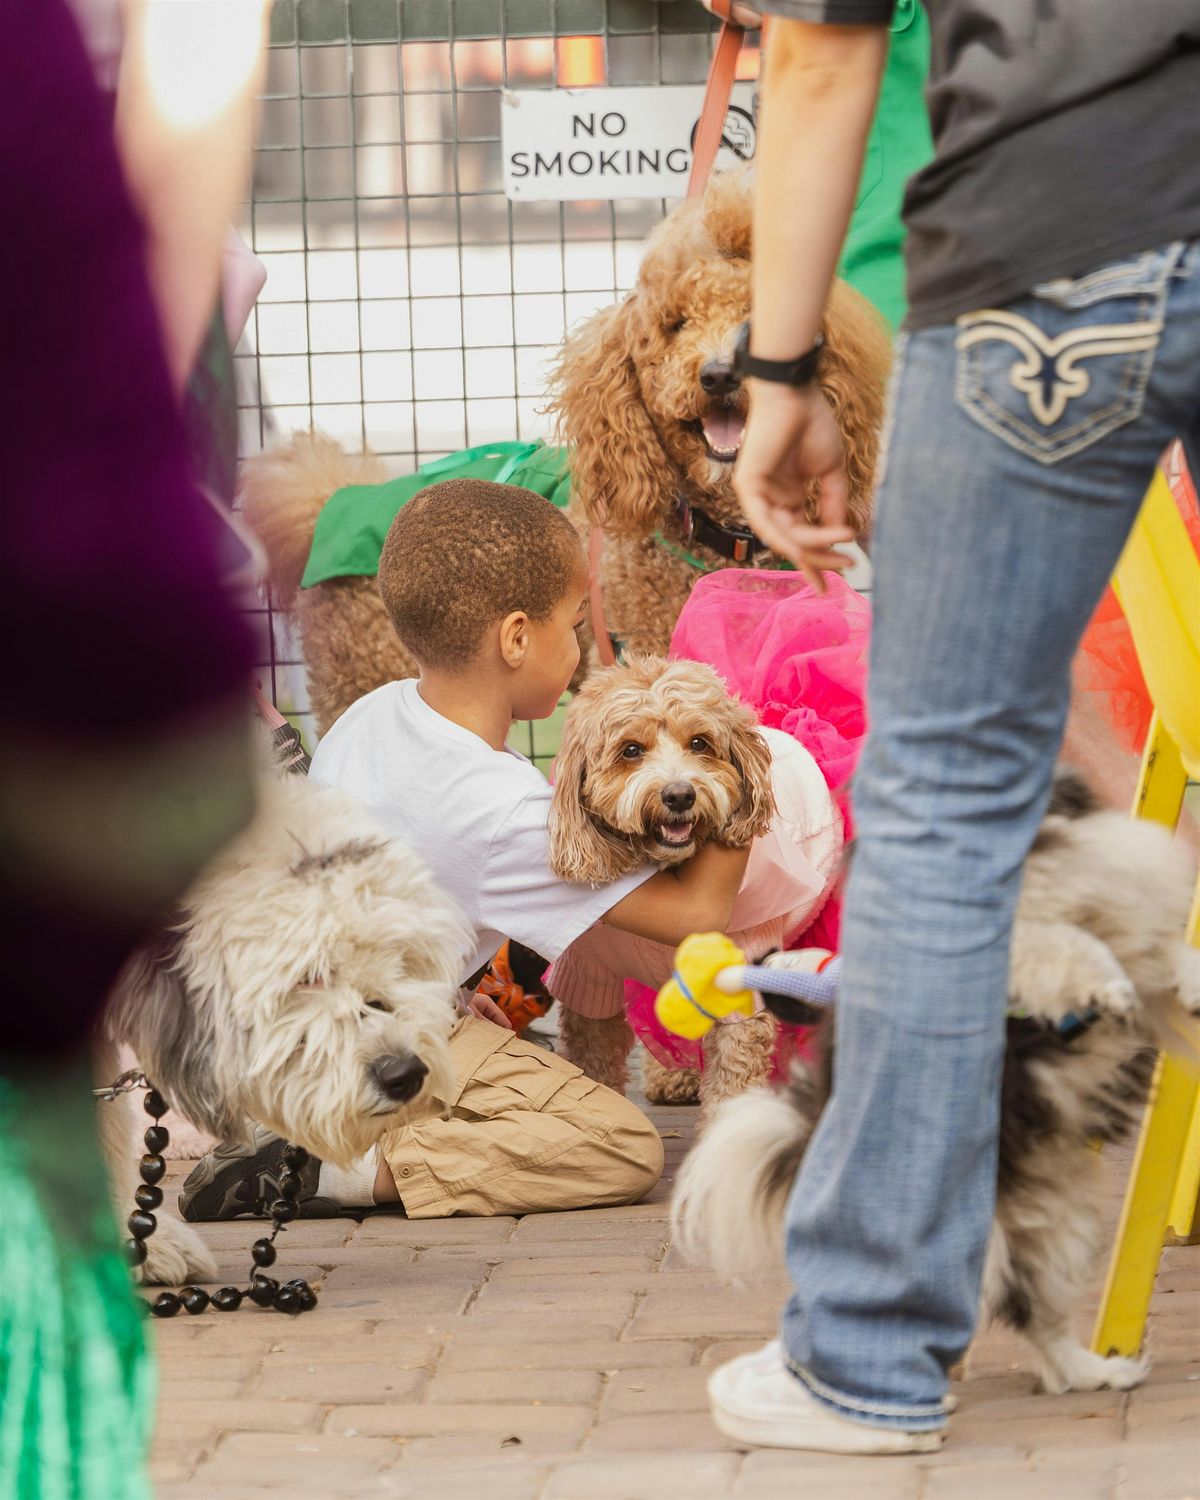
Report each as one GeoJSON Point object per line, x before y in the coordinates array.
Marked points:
{"type": "Point", "coordinates": [900, 144]}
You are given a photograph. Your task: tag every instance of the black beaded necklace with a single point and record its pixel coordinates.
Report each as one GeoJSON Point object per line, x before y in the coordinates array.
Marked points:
{"type": "Point", "coordinates": [264, 1291]}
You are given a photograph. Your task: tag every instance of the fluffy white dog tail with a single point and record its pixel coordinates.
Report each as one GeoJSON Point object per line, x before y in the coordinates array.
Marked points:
{"type": "Point", "coordinates": [731, 1191]}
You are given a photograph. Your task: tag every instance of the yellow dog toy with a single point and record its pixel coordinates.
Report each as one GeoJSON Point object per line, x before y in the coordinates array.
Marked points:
{"type": "Point", "coordinates": [712, 982]}
{"type": "Point", "coordinates": [690, 1002]}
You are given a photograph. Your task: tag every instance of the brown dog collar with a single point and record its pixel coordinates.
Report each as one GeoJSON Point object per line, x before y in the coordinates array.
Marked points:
{"type": "Point", "coordinates": [737, 543]}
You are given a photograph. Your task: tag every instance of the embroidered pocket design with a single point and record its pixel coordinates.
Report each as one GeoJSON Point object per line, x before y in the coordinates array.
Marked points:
{"type": "Point", "coordinates": [1048, 373]}
{"type": "Point", "coordinates": [1056, 371]}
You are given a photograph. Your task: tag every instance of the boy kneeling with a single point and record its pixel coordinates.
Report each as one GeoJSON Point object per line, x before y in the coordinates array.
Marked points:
{"type": "Point", "coordinates": [486, 586]}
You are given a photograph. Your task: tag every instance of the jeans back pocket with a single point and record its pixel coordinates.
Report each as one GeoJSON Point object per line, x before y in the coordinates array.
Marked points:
{"type": "Point", "coordinates": [1057, 370]}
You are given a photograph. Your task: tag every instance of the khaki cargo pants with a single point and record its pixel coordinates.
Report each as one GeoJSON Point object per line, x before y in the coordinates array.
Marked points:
{"type": "Point", "coordinates": [527, 1133]}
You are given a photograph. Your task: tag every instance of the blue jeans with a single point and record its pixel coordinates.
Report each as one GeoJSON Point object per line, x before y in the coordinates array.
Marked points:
{"type": "Point", "coordinates": [1022, 441]}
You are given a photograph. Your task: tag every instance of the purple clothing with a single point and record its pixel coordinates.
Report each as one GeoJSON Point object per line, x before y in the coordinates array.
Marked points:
{"type": "Point", "coordinates": [110, 603]}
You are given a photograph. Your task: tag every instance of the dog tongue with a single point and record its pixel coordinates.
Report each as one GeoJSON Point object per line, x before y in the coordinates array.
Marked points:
{"type": "Point", "coordinates": [723, 428]}
{"type": "Point", "coordinates": [676, 833]}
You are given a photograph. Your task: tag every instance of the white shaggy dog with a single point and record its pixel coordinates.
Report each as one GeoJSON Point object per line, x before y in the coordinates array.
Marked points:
{"type": "Point", "coordinates": [1099, 936]}
{"type": "Point", "coordinates": [307, 985]}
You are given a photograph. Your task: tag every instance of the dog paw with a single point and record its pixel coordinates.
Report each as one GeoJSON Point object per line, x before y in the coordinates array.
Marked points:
{"type": "Point", "coordinates": [176, 1255]}
{"type": "Point", "coordinates": [673, 1086]}
{"type": "Point", "coordinates": [1117, 998]}
{"type": "Point", "coordinates": [1189, 978]}
{"type": "Point", "coordinates": [1081, 1370]}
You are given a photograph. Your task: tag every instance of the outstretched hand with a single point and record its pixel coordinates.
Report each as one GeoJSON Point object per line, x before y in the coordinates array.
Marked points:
{"type": "Point", "coordinates": [792, 439]}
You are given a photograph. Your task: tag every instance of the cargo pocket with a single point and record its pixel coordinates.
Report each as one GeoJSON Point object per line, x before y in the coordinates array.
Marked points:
{"type": "Point", "coordinates": [512, 1076]}
{"type": "Point", "coordinates": [1054, 372]}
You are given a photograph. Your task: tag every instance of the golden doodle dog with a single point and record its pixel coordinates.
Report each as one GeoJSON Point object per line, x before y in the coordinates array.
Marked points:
{"type": "Point", "coordinates": [651, 410]}
{"type": "Point", "coordinates": [657, 760]}
{"type": "Point", "coordinates": [1100, 976]}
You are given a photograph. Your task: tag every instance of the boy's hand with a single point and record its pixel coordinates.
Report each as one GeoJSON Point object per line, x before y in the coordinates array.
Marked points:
{"type": "Point", "coordinates": [488, 1010]}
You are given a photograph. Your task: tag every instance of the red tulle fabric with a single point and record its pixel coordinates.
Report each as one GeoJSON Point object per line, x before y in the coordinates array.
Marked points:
{"type": "Point", "coordinates": [1107, 663]}
{"type": "Point", "coordinates": [799, 659]}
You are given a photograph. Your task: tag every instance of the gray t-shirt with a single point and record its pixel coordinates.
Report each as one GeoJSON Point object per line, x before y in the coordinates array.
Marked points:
{"type": "Point", "coordinates": [1067, 134]}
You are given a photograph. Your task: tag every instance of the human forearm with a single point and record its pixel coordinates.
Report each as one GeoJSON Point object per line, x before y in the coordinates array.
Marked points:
{"type": "Point", "coordinates": [698, 897]}
{"type": "Point", "coordinates": [821, 86]}
{"type": "Point", "coordinates": [819, 95]}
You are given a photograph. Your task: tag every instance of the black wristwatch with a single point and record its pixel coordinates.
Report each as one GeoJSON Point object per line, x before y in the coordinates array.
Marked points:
{"type": "Point", "coordinates": [800, 371]}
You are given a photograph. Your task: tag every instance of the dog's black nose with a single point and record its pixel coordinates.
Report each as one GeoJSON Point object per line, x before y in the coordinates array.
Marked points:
{"type": "Point", "coordinates": [719, 378]}
{"type": "Point", "coordinates": [679, 796]}
{"type": "Point", "coordinates": [400, 1078]}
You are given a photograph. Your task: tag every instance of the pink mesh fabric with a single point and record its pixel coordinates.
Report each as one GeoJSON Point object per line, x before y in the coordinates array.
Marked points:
{"type": "Point", "coordinates": [798, 658]}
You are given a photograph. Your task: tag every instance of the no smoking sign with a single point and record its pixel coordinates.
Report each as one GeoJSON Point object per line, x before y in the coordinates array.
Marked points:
{"type": "Point", "coordinates": [612, 143]}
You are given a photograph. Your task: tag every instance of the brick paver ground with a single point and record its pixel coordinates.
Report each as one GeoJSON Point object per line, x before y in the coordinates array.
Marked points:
{"type": "Point", "coordinates": [563, 1357]}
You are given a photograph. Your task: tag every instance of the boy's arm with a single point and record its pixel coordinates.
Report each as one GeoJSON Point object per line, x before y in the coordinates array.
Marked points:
{"type": "Point", "coordinates": [697, 897]}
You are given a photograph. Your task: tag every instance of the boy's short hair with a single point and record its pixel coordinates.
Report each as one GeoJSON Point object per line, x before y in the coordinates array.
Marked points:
{"type": "Point", "coordinates": [463, 554]}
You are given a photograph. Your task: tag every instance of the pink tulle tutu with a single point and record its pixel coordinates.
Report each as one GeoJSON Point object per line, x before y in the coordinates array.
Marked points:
{"type": "Point", "coordinates": [798, 658]}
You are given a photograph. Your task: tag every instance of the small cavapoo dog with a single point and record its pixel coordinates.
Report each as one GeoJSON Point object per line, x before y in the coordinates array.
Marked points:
{"type": "Point", "coordinates": [307, 984]}
{"type": "Point", "coordinates": [1100, 974]}
{"type": "Point", "coordinates": [657, 760]}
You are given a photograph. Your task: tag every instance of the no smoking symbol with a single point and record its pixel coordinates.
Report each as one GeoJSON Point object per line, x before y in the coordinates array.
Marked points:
{"type": "Point", "coordinates": [737, 134]}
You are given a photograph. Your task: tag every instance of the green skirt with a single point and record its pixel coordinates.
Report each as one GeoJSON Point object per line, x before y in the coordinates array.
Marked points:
{"type": "Point", "coordinates": [76, 1377]}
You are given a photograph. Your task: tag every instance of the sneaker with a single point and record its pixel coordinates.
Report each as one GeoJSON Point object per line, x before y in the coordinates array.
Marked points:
{"type": "Point", "coordinates": [240, 1180]}
{"type": "Point", "coordinates": [756, 1399]}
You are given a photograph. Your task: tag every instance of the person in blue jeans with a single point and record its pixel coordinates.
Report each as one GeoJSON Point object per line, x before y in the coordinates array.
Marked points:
{"type": "Point", "coordinates": [1051, 350]}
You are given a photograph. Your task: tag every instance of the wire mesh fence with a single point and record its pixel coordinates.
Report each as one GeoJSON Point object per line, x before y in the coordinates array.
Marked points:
{"type": "Point", "coordinates": [409, 306]}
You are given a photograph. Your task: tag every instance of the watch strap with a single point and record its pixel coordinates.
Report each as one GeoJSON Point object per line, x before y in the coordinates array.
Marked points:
{"type": "Point", "coordinates": [797, 372]}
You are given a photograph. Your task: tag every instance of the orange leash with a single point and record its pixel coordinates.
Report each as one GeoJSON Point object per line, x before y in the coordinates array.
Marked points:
{"type": "Point", "coordinates": [717, 92]}
{"type": "Point", "coordinates": [604, 645]}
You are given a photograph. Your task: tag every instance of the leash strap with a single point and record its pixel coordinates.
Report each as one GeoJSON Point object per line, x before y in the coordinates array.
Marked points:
{"type": "Point", "coordinates": [604, 644]}
{"type": "Point", "coordinates": [721, 74]}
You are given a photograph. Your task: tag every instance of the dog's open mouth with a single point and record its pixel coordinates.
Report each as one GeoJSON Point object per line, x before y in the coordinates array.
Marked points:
{"type": "Point", "coordinates": [675, 835]}
{"type": "Point", "coordinates": [722, 428]}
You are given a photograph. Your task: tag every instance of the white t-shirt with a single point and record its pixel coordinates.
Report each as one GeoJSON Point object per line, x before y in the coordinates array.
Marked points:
{"type": "Point", "coordinates": [478, 817]}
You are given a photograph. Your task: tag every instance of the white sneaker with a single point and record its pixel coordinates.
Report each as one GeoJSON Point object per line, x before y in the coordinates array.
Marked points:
{"type": "Point", "coordinates": [756, 1399]}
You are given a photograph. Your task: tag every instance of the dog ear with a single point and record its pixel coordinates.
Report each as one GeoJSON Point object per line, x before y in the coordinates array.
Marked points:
{"type": "Point", "coordinates": [752, 757]}
{"type": "Point", "coordinates": [153, 1010]}
{"type": "Point", "coordinates": [618, 466]}
{"type": "Point", "coordinates": [854, 371]}
{"type": "Point", "coordinates": [581, 851]}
